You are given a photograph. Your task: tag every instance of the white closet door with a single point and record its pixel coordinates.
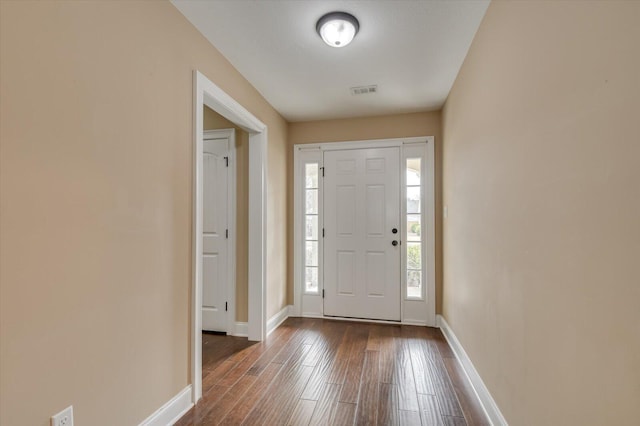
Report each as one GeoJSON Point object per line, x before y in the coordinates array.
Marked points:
{"type": "Point", "coordinates": [214, 238]}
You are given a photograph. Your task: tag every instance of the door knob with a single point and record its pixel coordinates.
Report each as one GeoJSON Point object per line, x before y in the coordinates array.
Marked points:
{"type": "Point", "coordinates": [394, 230]}
{"type": "Point", "coordinates": [394, 243]}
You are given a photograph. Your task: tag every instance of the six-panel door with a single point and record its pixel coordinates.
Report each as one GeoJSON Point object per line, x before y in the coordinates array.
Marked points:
{"type": "Point", "coordinates": [214, 241]}
{"type": "Point", "coordinates": [361, 210]}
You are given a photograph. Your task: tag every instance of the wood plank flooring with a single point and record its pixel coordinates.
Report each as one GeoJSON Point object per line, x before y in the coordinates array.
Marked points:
{"type": "Point", "coordinates": [322, 372]}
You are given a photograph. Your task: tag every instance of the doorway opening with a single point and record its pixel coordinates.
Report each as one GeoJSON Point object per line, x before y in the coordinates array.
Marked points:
{"type": "Point", "coordinates": [206, 93]}
{"type": "Point", "coordinates": [364, 222]}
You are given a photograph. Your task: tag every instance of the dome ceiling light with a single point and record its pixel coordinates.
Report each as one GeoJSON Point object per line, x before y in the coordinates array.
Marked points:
{"type": "Point", "coordinates": [337, 29]}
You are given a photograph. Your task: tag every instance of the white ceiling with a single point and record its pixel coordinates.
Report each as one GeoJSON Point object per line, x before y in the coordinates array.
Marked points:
{"type": "Point", "coordinates": [411, 49]}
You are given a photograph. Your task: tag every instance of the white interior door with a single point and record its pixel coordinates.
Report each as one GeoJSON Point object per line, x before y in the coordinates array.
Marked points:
{"type": "Point", "coordinates": [214, 236]}
{"type": "Point", "coordinates": [361, 211]}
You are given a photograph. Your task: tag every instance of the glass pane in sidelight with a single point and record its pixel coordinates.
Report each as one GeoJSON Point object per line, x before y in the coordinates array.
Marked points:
{"type": "Point", "coordinates": [311, 280]}
{"type": "Point", "coordinates": [311, 227]}
{"type": "Point", "coordinates": [311, 253]}
{"type": "Point", "coordinates": [311, 175]}
{"type": "Point", "coordinates": [311, 201]}
{"type": "Point", "coordinates": [414, 255]}
{"type": "Point", "coordinates": [414, 228]}
{"type": "Point", "coordinates": [413, 171]}
{"type": "Point", "coordinates": [414, 284]}
{"type": "Point", "coordinates": [413, 199]}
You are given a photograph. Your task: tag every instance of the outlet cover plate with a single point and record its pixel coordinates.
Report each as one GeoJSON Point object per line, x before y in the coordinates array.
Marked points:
{"type": "Point", "coordinates": [63, 418]}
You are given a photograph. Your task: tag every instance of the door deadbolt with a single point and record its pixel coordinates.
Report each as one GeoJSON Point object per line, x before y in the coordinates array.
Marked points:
{"type": "Point", "coordinates": [394, 230]}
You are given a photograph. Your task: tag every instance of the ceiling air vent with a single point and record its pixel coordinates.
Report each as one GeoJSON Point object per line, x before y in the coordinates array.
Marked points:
{"type": "Point", "coordinates": [363, 90]}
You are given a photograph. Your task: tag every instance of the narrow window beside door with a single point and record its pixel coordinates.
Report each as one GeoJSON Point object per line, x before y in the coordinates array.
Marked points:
{"type": "Point", "coordinates": [311, 228]}
{"type": "Point", "coordinates": [414, 229]}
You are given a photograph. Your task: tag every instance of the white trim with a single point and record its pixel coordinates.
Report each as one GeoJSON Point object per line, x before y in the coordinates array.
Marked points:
{"type": "Point", "coordinates": [257, 236]}
{"type": "Point", "coordinates": [229, 134]}
{"type": "Point", "coordinates": [430, 190]}
{"type": "Point", "coordinates": [369, 143]}
{"type": "Point", "coordinates": [415, 322]}
{"type": "Point", "coordinates": [207, 93]}
{"type": "Point", "coordinates": [241, 329]}
{"type": "Point", "coordinates": [297, 245]}
{"type": "Point", "coordinates": [482, 393]}
{"type": "Point", "coordinates": [277, 319]}
{"type": "Point", "coordinates": [372, 321]}
{"type": "Point", "coordinates": [219, 101]}
{"type": "Point", "coordinates": [413, 311]}
{"type": "Point", "coordinates": [361, 320]}
{"type": "Point", "coordinates": [313, 315]}
{"type": "Point", "coordinates": [172, 410]}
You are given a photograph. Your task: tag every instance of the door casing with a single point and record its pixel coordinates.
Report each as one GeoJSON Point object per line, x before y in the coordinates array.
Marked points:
{"type": "Point", "coordinates": [205, 92]}
{"type": "Point", "coordinates": [413, 312]}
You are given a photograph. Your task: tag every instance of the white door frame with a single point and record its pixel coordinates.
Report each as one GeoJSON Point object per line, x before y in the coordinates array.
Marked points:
{"type": "Point", "coordinates": [413, 312]}
{"type": "Point", "coordinates": [205, 92]}
{"type": "Point", "coordinates": [229, 134]}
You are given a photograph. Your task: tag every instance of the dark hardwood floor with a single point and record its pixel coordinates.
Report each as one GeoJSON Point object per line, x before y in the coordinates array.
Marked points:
{"type": "Point", "coordinates": [314, 371]}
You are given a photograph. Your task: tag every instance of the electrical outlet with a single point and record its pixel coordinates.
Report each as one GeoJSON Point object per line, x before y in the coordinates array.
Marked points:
{"type": "Point", "coordinates": [63, 418]}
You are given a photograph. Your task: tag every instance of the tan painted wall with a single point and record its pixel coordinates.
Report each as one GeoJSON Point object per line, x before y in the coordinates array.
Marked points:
{"type": "Point", "coordinates": [364, 128]}
{"type": "Point", "coordinates": [542, 182]}
{"type": "Point", "coordinates": [277, 219]}
{"type": "Point", "coordinates": [96, 183]}
{"type": "Point", "coordinates": [213, 121]}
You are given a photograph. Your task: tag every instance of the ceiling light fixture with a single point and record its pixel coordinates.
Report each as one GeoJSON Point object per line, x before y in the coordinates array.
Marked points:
{"type": "Point", "coordinates": [337, 29]}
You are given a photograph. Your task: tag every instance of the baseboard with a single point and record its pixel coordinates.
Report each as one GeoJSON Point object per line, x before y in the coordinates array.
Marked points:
{"type": "Point", "coordinates": [277, 319]}
{"type": "Point", "coordinates": [311, 315]}
{"type": "Point", "coordinates": [295, 311]}
{"type": "Point", "coordinates": [406, 322]}
{"type": "Point", "coordinates": [241, 329]}
{"type": "Point", "coordinates": [172, 410]}
{"type": "Point", "coordinates": [482, 393]}
{"type": "Point", "coordinates": [419, 323]}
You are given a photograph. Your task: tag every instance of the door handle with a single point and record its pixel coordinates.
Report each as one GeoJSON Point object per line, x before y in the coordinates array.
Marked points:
{"type": "Point", "coordinates": [394, 230]}
{"type": "Point", "coordinates": [394, 243]}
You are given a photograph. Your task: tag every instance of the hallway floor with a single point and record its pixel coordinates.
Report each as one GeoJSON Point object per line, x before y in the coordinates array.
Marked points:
{"type": "Point", "coordinates": [314, 371]}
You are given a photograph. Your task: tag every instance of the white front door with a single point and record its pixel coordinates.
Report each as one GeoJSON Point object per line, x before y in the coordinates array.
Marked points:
{"type": "Point", "coordinates": [215, 237]}
{"type": "Point", "coordinates": [362, 237]}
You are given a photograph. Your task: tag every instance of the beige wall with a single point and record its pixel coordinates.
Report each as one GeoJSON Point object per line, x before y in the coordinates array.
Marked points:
{"type": "Point", "coordinates": [542, 180]}
{"type": "Point", "coordinates": [213, 121]}
{"type": "Point", "coordinates": [364, 128]}
{"type": "Point", "coordinates": [277, 219]}
{"type": "Point", "coordinates": [96, 183]}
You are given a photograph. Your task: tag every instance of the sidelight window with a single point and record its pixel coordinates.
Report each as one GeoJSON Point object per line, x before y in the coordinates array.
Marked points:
{"type": "Point", "coordinates": [311, 227]}
{"type": "Point", "coordinates": [415, 231]}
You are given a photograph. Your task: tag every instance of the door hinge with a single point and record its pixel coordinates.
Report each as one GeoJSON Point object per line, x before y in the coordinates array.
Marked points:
{"type": "Point", "coordinates": [226, 159]}
{"type": "Point", "coordinates": [226, 306]}
{"type": "Point", "coordinates": [323, 293]}
{"type": "Point", "coordinates": [226, 233]}
{"type": "Point", "coordinates": [322, 232]}
{"type": "Point", "coordinates": [322, 168]}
